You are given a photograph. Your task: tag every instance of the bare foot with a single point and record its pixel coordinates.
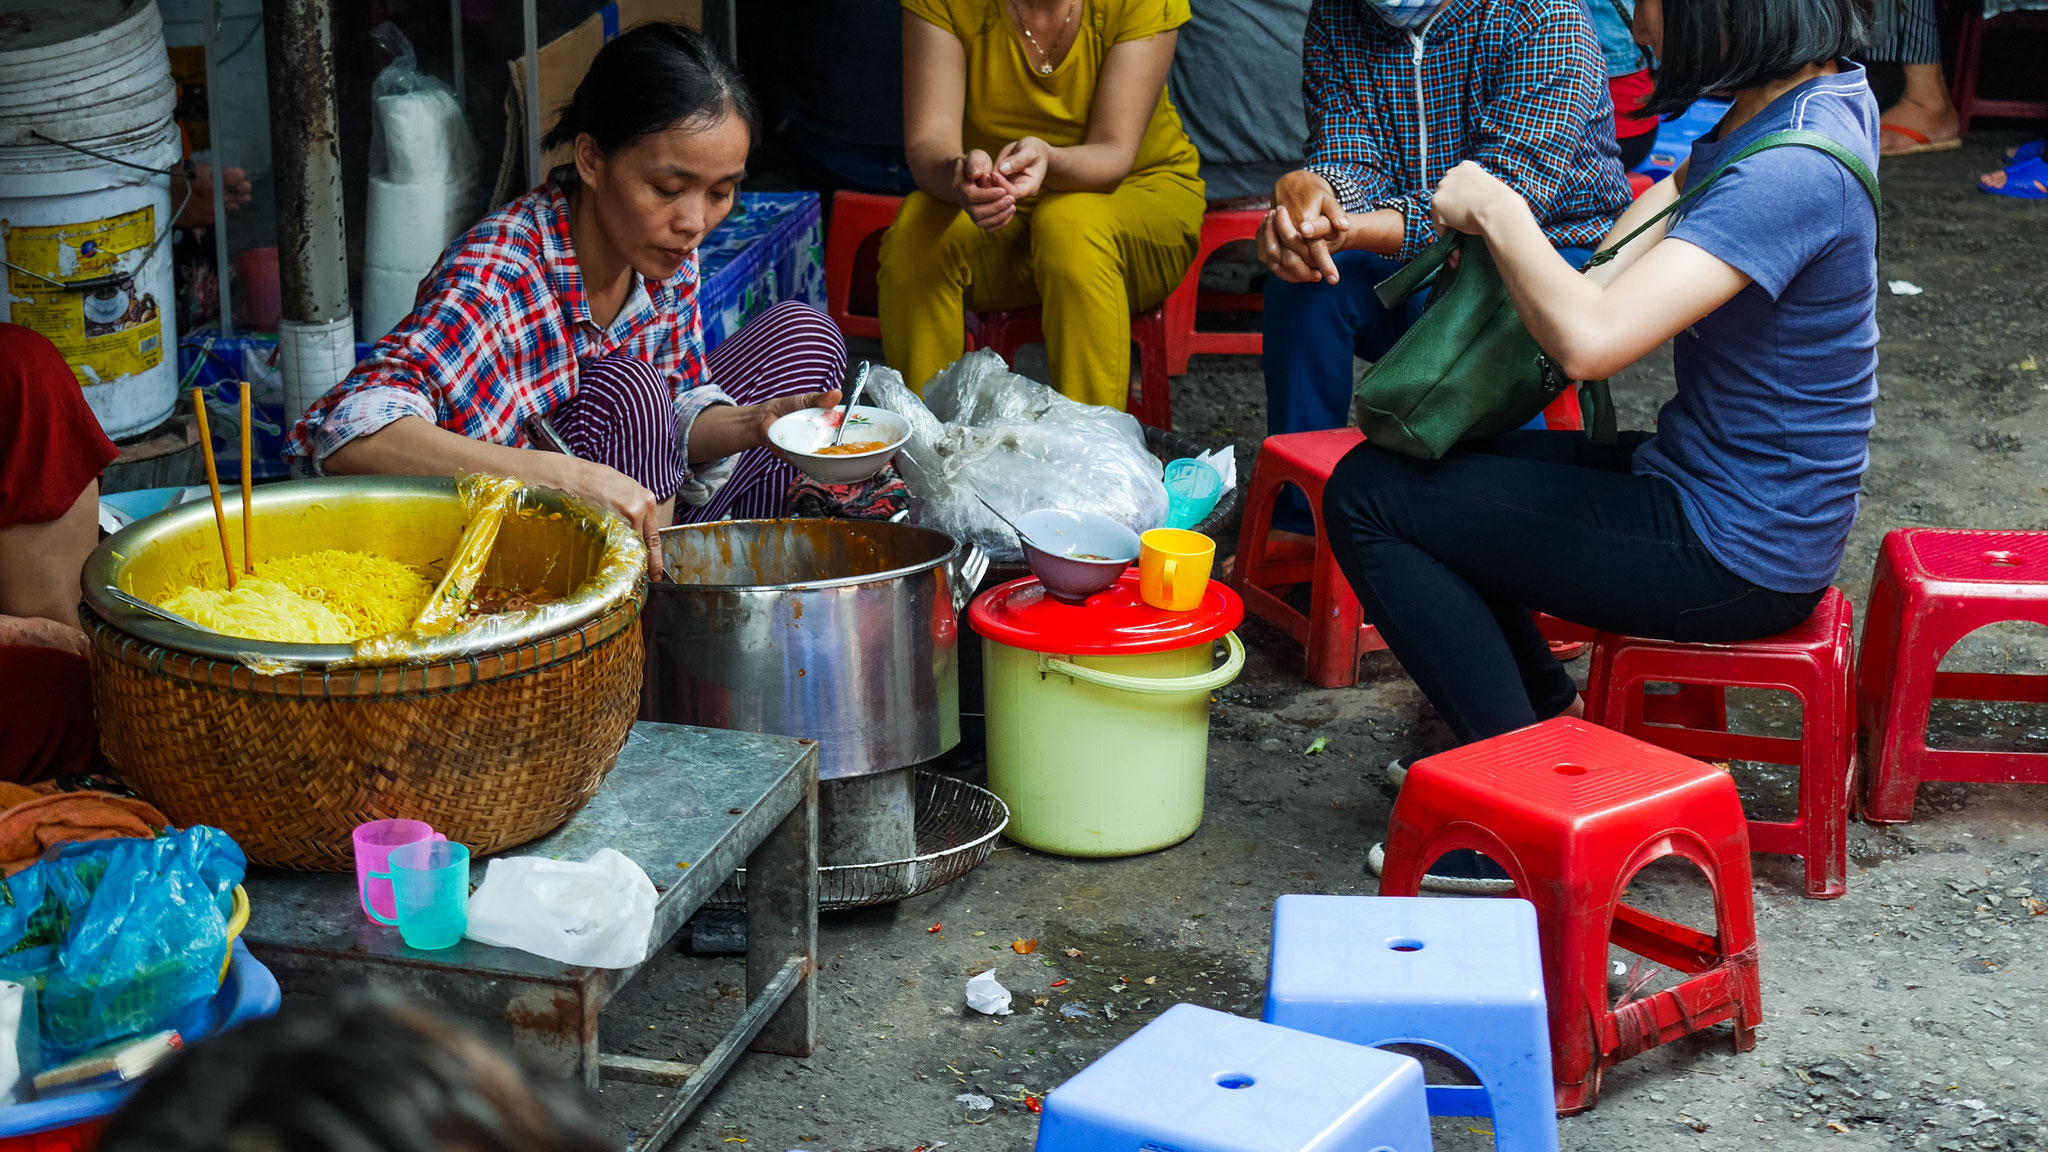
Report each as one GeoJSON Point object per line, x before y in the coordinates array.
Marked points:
{"type": "Point", "coordinates": [1912, 127]}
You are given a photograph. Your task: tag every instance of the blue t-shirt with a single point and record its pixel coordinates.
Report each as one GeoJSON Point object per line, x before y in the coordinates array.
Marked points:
{"type": "Point", "coordinates": [1769, 434]}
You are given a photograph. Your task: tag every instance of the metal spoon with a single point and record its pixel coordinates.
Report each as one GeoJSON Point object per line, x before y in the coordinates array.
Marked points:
{"type": "Point", "coordinates": [138, 602]}
{"type": "Point", "coordinates": [860, 381]}
{"type": "Point", "coordinates": [1012, 525]}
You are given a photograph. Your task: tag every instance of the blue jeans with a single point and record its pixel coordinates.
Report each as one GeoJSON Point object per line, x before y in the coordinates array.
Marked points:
{"type": "Point", "coordinates": [1311, 333]}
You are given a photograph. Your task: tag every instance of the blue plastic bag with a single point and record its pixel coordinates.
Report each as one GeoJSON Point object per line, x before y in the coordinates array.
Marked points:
{"type": "Point", "coordinates": [122, 936]}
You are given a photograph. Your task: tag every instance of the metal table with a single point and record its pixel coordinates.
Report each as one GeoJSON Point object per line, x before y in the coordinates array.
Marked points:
{"type": "Point", "coordinates": [713, 800]}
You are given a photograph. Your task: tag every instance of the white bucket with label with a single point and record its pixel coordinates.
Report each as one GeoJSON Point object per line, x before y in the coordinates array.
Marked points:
{"type": "Point", "coordinates": [86, 135]}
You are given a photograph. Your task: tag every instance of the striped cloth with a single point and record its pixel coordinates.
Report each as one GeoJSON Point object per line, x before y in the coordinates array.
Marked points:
{"type": "Point", "coordinates": [1516, 85]}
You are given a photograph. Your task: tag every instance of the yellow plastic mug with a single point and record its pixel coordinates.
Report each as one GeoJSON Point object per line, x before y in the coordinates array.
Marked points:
{"type": "Point", "coordinates": [1173, 568]}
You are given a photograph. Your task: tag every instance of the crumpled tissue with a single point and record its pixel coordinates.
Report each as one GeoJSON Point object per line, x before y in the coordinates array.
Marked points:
{"type": "Point", "coordinates": [986, 996]}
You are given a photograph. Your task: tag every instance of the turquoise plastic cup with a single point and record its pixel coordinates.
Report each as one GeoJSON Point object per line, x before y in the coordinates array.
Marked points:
{"type": "Point", "coordinates": [1192, 489]}
{"type": "Point", "coordinates": [430, 886]}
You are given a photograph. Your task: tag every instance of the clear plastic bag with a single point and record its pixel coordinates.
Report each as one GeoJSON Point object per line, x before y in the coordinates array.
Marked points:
{"type": "Point", "coordinates": [417, 133]}
{"type": "Point", "coordinates": [982, 432]}
{"type": "Point", "coordinates": [124, 936]}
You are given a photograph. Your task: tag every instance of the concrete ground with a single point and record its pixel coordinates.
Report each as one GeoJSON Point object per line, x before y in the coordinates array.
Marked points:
{"type": "Point", "coordinates": [1905, 1015]}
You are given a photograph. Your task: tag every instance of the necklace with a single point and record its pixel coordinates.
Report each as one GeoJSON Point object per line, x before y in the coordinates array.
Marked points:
{"type": "Point", "coordinates": [1044, 56]}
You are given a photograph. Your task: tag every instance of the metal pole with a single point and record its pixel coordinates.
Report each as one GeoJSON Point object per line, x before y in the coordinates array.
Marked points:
{"type": "Point", "coordinates": [455, 39]}
{"type": "Point", "coordinates": [209, 22]}
{"type": "Point", "coordinates": [312, 260]}
{"type": "Point", "coordinates": [533, 129]}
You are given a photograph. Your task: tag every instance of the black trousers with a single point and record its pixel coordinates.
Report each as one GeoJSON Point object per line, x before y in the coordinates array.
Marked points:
{"type": "Point", "coordinates": [1449, 558]}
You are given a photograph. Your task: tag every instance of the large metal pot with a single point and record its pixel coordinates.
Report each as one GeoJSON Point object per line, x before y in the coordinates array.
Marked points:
{"type": "Point", "coordinates": [844, 631]}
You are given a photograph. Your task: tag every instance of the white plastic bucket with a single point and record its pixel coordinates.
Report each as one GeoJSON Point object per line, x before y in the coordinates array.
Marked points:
{"type": "Point", "coordinates": [94, 74]}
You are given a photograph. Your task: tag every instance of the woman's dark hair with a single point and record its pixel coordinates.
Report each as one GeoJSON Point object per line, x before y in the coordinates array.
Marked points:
{"type": "Point", "coordinates": [655, 77]}
{"type": "Point", "coordinates": [1721, 46]}
{"type": "Point", "coordinates": [369, 1075]}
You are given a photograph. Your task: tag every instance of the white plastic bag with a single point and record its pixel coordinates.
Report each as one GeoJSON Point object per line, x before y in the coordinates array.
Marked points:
{"type": "Point", "coordinates": [988, 997]}
{"type": "Point", "coordinates": [598, 912]}
{"type": "Point", "coordinates": [984, 432]}
{"type": "Point", "coordinates": [423, 182]}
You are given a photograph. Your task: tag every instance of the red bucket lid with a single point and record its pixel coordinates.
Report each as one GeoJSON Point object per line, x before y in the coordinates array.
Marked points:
{"type": "Point", "coordinates": [1113, 622]}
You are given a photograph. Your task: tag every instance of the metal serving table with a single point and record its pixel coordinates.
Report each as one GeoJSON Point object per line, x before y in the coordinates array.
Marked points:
{"type": "Point", "coordinates": [712, 800]}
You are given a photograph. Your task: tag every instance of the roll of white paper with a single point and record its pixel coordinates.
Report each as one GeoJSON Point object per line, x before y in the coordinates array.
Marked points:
{"type": "Point", "coordinates": [388, 294]}
{"type": "Point", "coordinates": [408, 224]}
{"type": "Point", "coordinates": [314, 358]}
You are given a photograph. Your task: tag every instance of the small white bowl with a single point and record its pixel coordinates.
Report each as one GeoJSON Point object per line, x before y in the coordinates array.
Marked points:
{"type": "Point", "coordinates": [798, 436]}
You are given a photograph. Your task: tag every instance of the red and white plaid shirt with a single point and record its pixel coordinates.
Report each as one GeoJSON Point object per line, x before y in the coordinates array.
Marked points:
{"type": "Point", "coordinates": [497, 336]}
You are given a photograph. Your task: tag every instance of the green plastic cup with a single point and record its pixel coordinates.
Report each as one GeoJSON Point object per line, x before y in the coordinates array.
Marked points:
{"type": "Point", "coordinates": [430, 886]}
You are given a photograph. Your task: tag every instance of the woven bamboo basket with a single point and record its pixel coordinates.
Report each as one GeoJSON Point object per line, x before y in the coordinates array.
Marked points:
{"type": "Point", "coordinates": [494, 748]}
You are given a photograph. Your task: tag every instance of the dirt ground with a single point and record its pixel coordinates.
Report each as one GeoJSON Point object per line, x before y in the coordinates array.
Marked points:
{"type": "Point", "coordinates": [1905, 1015]}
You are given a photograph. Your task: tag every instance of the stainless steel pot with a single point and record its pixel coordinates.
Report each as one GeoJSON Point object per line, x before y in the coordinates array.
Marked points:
{"type": "Point", "coordinates": [844, 631]}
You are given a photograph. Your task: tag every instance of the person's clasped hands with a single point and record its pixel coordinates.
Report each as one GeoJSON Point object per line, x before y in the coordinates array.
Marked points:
{"type": "Point", "coordinates": [1305, 227]}
{"type": "Point", "coordinates": [991, 188]}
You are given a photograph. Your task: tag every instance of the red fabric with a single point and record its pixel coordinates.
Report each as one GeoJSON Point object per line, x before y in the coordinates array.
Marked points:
{"type": "Point", "coordinates": [46, 724]}
{"type": "Point", "coordinates": [51, 445]}
{"type": "Point", "coordinates": [1629, 92]}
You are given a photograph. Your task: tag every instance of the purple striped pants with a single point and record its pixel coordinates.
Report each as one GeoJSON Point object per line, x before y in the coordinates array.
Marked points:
{"type": "Point", "coordinates": [623, 414]}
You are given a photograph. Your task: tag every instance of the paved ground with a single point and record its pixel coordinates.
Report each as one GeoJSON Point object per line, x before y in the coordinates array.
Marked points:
{"type": "Point", "coordinates": [1905, 1015]}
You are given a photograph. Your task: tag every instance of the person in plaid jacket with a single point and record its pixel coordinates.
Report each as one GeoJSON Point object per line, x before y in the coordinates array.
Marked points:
{"type": "Point", "coordinates": [1399, 92]}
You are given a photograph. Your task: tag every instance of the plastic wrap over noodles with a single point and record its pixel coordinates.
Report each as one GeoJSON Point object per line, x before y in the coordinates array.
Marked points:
{"type": "Point", "coordinates": [984, 431]}
{"type": "Point", "coordinates": [576, 556]}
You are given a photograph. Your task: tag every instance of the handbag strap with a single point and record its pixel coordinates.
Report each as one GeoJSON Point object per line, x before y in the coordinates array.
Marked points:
{"type": "Point", "coordinates": [1783, 138]}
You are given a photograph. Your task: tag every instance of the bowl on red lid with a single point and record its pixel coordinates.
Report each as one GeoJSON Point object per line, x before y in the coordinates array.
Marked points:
{"type": "Point", "coordinates": [1075, 554]}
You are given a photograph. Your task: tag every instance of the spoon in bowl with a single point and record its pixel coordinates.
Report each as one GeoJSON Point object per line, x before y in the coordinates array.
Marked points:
{"type": "Point", "coordinates": [860, 381]}
{"type": "Point", "coordinates": [1012, 525]}
{"type": "Point", "coordinates": [139, 603]}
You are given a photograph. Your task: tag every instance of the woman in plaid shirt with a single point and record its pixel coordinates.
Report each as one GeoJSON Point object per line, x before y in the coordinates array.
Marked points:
{"type": "Point", "coordinates": [569, 319]}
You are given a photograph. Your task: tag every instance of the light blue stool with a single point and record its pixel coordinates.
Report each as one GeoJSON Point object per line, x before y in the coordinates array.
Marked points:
{"type": "Point", "coordinates": [1198, 1080]}
{"type": "Point", "coordinates": [1462, 976]}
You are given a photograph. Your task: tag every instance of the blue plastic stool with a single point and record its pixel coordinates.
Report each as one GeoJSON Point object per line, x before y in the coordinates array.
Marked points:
{"type": "Point", "coordinates": [1461, 976]}
{"type": "Point", "coordinates": [1198, 1080]}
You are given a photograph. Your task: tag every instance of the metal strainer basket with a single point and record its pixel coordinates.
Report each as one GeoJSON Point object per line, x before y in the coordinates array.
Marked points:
{"type": "Point", "coordinates": [956, 825]}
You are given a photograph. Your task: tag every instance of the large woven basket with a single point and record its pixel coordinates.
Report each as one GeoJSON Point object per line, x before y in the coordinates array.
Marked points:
{"type": "Point", "coordinates": [493, 750]}
{"type": "Point", "coordinates": [494, 745]}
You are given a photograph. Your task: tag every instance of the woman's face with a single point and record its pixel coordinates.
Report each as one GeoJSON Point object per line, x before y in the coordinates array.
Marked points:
{"type": "Point", "coordinates": [656, 198]}
{"type": "Point", "coordinates": [1649, 26]}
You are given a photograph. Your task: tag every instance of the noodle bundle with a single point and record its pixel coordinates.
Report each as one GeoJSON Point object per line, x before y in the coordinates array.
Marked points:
{"type": "Point", "coordinates": [326, 597]}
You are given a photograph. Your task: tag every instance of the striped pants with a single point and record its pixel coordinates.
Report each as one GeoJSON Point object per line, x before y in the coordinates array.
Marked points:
{"type": "Point", "coordinates": [623, 414]}
{"type": "Point", "coordinates": [1915, 37]}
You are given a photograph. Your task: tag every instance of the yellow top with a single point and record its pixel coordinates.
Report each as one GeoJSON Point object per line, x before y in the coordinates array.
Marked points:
{"type": "Point", "coordinates": [1007, 98]}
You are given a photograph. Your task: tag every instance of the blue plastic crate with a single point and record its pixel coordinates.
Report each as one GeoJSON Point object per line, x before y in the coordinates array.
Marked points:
{"type": "Point", "coordinates": [768, 251]}
{"type": "Point", "coordinates": [213, 362]}
{"type": "Point", "coordinates": [1676, 134]}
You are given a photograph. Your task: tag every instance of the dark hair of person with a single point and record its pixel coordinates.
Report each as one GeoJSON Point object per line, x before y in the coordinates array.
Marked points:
{"type": "Point", "coordinates": [368, 1075]}
{"type": "Point", "coordinates": [1723, 46]}
{"type": "Point", "coordinates": [653, 78]}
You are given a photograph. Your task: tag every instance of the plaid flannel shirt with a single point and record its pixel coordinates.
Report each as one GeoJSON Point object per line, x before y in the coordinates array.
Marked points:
{"type": "Point", "coordinates": [497, 335]}
{"type": "Point", "coordinates": [1517, 85]}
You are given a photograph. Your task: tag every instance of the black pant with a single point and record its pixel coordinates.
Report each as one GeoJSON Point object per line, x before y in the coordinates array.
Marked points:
{"type": "Point", "coordinates": [1449, 557]}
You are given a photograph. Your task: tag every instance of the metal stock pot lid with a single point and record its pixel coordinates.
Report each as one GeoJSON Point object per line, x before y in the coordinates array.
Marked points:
{"type": "Point", "coordinates": [1113, 622]}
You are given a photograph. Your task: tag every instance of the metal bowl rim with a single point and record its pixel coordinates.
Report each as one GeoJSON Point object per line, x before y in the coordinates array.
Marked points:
{"type": "Point", "coordinates": [666, 585]}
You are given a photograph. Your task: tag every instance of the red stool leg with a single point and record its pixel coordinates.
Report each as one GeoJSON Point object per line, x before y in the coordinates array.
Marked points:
{"type": "Point", "coordinates": [1154, 404]}
{"type": "Point", "coordinates": [1333, 627]}
{"type": "Point", "coordinates": [1892, 700]}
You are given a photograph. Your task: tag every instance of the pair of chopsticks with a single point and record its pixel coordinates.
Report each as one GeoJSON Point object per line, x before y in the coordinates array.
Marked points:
{"type": "Point", "coordinates": [220, 516]}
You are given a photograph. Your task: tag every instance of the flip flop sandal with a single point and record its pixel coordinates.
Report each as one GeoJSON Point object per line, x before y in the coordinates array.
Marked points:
{"type": "Point", "coordinates": [1921, 142]}
{"type": "Point", "coordinates": [2024, 180]}
{"type": "Point", "coordinates": [2027, 151]}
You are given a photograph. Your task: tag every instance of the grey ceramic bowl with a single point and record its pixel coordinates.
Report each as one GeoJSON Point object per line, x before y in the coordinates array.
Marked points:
{"type": "Point", "coordinates": [1076, 554]}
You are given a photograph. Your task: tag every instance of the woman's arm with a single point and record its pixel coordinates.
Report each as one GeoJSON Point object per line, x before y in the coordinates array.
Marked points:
{"type": "Point", "coordinates": [934, 100]}
{"type": "Point", "coordinates": [1133, 76]}
{"type": "Point", "coordinates": [1592, 329]}
{"type": "Point", "coordinates": [1660, 196]}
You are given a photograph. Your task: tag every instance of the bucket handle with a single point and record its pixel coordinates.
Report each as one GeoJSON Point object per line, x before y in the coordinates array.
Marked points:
{"type": "Point", "coordinates": [1206, 682]}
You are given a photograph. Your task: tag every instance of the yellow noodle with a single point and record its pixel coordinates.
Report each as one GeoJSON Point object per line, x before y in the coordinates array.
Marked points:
{"type": "Point", "coordinates": [327, 597]}
{"type": "Point", "coordinates": [262, 610]}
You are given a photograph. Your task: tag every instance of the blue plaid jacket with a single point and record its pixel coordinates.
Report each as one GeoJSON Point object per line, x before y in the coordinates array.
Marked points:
{"type": "Point", "coordinates": [1517, 85]}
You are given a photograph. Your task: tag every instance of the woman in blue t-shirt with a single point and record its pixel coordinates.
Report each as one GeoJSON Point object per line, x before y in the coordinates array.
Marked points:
{"type": "Point", "coordinates": [1729, 521]}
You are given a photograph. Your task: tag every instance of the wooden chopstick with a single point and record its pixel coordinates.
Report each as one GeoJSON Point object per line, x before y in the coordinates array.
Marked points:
{"type": "Point", "coordinates": [220, 516]}
{"type": "Point", "coordinates": [248, 509]}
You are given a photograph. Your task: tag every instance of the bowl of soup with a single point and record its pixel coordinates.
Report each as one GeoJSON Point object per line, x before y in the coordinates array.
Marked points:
{"type": "Point", "coordinates": [804, 438]}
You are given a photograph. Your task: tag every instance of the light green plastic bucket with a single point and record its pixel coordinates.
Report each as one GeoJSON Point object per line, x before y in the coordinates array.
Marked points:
{"type": "Point", "coordinates": [1102, 755]}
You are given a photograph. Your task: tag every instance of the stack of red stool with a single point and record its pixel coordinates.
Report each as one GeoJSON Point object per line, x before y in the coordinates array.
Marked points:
{"type": "Point", "coordinates": [1333, 632]}
{"type": "Point", "coordinates": [1933, 587]}
{"type": "Point", "coordinates": [1811, 661]}
{"type": "Point", "coordinates": [1573, 811]}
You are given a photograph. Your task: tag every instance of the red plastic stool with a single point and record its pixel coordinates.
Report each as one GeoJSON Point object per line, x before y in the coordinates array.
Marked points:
{"type": "Point", "coordinates": [1811, 661]}
{"type": "Point", "coordinates": [1334, 632]}
{"type": "Point", "coordinates": [1573, 811]}
{"type": "Point", "coordinates": [1182, 340]}
{"type": "Point", "coordinates": [1006, 332]}
{"type": "Point", "coordinates": [852, 255]}
{"type": "Point", "coordinates": [1933, 587]}
{"type": "Point", "coordinates": [1969, 52]}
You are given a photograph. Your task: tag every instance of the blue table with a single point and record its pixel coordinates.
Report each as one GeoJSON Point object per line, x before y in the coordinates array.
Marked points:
{"type": "Point", "coordinates": [711, 799]}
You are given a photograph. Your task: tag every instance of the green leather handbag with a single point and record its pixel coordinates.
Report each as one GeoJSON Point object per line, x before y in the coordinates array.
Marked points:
{"type": "Point", "coordinates": [1468, 369]}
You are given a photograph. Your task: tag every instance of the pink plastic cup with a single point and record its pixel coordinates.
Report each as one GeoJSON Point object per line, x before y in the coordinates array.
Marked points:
{"type": "Point", "coordinates": [374, 842]}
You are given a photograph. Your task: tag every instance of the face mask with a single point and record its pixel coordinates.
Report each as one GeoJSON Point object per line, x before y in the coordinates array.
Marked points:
{"type": "Point", "coordinates": [1407, 15]}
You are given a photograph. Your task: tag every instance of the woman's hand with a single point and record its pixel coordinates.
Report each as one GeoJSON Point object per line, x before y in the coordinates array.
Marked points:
{"type": "Point", "coordinates": [36, 632]}
{"type": "Point", "coordinates": [607, 486]}
{"type": "Point", "coordinates": [1021, 167]}
{"type": "Point", "coordinates": [768, 412]}
{"type": "Point", "coordinates": [1467, 195]}
{"type": "Point", "coordinates": [978, 189]}
{"type": "Point", "coordinates": [1288, 245]}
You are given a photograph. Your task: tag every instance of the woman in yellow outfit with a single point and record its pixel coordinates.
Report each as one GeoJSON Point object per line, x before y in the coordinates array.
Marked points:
{"type": "Point", "coordinates": [1052, 170]}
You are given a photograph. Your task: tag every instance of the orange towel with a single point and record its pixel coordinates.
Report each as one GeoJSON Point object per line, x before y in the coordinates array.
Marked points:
{"type": "Point", "coordinates": [29, 828]}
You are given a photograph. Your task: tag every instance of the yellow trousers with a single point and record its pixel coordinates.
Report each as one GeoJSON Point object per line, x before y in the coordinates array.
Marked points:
{"type": "Point", "coordinates": [1087, 259]}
